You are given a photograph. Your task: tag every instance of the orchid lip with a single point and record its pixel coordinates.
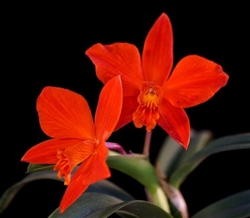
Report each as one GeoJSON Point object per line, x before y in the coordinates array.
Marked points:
{"type": "Point", "coordinates": [147, 112]}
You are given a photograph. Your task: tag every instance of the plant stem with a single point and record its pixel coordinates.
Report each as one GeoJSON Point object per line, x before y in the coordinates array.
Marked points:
{"type": "Point", "coordinates": [159, 198]}
{"type": "Point", "coordinates": [147, 143]}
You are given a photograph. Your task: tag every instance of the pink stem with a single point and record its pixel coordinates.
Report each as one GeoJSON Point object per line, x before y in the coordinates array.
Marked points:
{"type": "Point", "coordinates": [147, 143]}
{"type": "Point", "coordinates": [116, 147]}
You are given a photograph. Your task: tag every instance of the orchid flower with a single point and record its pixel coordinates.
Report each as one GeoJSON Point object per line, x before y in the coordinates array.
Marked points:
{"type": "Point", "coordinates": [152, 93]}
{"type": "Point", "coordinates": [66, 117]}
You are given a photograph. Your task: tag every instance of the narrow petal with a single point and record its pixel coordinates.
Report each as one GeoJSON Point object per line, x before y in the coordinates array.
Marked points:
{"type": "Point", "coordinates": [157, 56]}
{"type": "Point", "coordinates": [117, 59]}
{"type": "Point", "coordinates": [175, 122]}
{"type": "Point", "coordinates": [109, 108]}
{"type": "Point", "coordinates": [64, 114]}
{"type": "Point", "coordinates": [100, 169]}
{"type": "Point", "coordinates": [193, 81]}
{"type": "Point", "coordinates": [90, 171]}
{"type": "Point", "coordinates": [130, 104]}
{"type": "Point", "coordinates": [45, 152]}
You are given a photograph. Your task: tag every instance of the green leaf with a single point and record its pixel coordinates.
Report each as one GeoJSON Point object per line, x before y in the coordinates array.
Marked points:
{"type": "Point", "coordinates": [94, 205]}
{"type": "Point", "coordinates": [173, 154]}
{"type": "Point", "coordinates": [38, 167]}
{"type": "Point", "coordinates": [125, 214]}
{"type": "Point", "coordinates": [235, 142]}
{"type": "Point", "coordinates": [228, 143]}
{"type": "Point", "coordinates": [107, 187]}
{"type": "Point", "coordinates": [103, 186]}
{"type": "Point", "coordinates": [198, 141]}
{"type": "Point", "coordinates": [138, 168]}
{"type": "Point", "coordinates": [10, 193]}
{"type": "Point", "coordinates": [168, 156]}
{"type": "Point", "coordinates": [237, 205]}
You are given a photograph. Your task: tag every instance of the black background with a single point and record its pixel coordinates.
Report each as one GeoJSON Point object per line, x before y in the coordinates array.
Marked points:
{"type": "Point", "coordinates": [44, 44]}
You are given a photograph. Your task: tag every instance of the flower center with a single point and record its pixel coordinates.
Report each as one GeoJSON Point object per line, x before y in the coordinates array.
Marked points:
{"type": "Point", "coordinates": [147, 112]}
{"type": "Point", "coordinates": [63, 166]}
{"type": "Point", "coordinates": [73, 155]}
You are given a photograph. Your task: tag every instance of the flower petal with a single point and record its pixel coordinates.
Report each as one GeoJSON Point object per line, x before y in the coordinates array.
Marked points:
{"type": "Point", "coordinates": [90, 171]}
{"type": "Point", "coordinates": [157, 56]}
{"type": "Point", "coordinates": [109, 108]}
{"type": "Point", "coordinates": [79, 152]}
{"type": "Point", "coordinates": [117, 59]}
{"type": "Point", "coordinates": [64, 114]}
{"type": "Point", "coordinates": [193, 81]}
{"type": "Point", "coordinates": [175, 122]}
{"type": "Point", "coordinates": [129, 88]}
{"type": "Point", "coordinates": [129, 106]}
{"type": "Point", "coordinates": [45, 152]}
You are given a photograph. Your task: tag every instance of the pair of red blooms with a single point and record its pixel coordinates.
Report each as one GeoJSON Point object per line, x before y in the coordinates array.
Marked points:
{"type": "Point", "coordinates": [138, 89]}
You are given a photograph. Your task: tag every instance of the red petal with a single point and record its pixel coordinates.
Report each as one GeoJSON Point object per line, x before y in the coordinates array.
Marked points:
{"type": "Point", "coordinates": [130, 104]}
{"type": "Point", "coordinates": [91, 170]}
{"type": "Point", "coordinates": [109, 108]}
{"type": "Point", "coordinates": [116, 59]}
{"type": "Point", "coordinates": [45, 152]}
{"type": "Point", "coordinates": [175, 122]}
{"type": "Point", "coordinates": [157, 57]}
{"type": "Point", "coordinates": [129, 88]}
{"type": "Point", "coordinates": [64, 114]}
{"type": "Point", "coordinates": [193, 81]}
{"type": "Point", "coordinates": [79, 152]}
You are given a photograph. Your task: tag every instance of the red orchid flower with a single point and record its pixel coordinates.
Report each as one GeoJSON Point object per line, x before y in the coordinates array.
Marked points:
{"type": "Point", "coordinates": [66, 117]}
{"type": "Point", "coordinates": [150, 94]}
